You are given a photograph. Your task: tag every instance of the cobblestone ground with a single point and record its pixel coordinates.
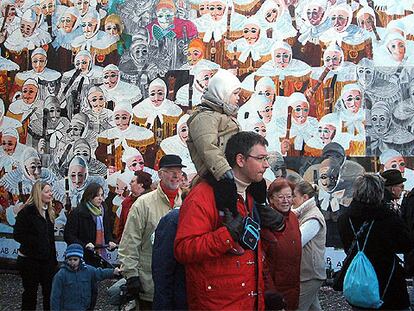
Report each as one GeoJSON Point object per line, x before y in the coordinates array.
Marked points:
{"type": "Point", "coordinates": [11, 289]}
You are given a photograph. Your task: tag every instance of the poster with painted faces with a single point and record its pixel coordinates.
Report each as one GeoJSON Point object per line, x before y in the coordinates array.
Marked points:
{"type": "Point", "coordinates": [93, 90]}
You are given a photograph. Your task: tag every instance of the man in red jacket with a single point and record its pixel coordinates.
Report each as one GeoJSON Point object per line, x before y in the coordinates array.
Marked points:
{"type": "Point", "coordinates": [221, 275]}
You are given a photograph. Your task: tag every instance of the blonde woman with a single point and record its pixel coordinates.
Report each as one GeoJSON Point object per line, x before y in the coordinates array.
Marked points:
{"type": "Point", "coordinates": [34, 230]}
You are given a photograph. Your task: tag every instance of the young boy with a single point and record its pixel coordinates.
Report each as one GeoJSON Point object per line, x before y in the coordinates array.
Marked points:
{"type": "Point", "coordinates": [73, 285]}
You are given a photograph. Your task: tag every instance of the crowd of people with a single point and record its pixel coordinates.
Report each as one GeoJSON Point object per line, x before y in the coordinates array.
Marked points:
{"type": "Point", "coordinates": [180, 251]}
{"type": "Point", "coordinates": [227, 241]}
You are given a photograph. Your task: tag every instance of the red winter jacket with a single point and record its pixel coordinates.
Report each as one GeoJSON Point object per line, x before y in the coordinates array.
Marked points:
{"type": "Point", "coordinates": [282, 261]}
{"type": "Point", "coordinates": [216, 280]}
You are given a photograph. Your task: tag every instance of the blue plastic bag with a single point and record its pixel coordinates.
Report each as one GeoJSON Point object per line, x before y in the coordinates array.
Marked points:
{"type": "Point", "coordinates": [361, 287]}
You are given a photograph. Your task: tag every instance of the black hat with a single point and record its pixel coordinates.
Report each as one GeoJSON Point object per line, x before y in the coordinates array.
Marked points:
{"type": "Point", "coordinates": [170, 160]}
{"type": "Point", "coordinates": [393, 177]}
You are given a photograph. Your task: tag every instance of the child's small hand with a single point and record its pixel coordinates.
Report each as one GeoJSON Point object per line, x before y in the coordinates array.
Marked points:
{"type": "Point", "coordinates": [117, 271]}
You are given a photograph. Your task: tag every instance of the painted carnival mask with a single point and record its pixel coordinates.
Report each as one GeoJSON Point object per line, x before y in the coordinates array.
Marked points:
{"type": "Point", "coordinates": [121, 187]}
{"type": "Point", "coordinates": [352, 100]}
{"type": "Point", "coordinates": [216, 9]}
{"type": "Point", "coordinates": [300, 113]}
{"type": "Point", "coordinates": [156, 95]}
{"type": "Point", "coordinates": [139, 54]}
{"type": "Point", "coordinates": [327, 133]}
{"type": "Point", "coordinates": [271, 15]}
{"type": "Point", "coordinates": [380, 120]}
{"type": "Point", "coordinates": [33, 168]}
{"type": "Point", "coordinates": [268, 92]}
{"type": "Point", "coordinates": [89, 26]}
{"type": "Point", "coordinates": [397, 49]}
{"type": "Point", "coordinates": [315, 14]}
{"type": "Point", "coordinates": [82, 6]}
{"type": "Point", "coordinates": [48, 7]}
{"type": "Point", "coordinates": [112, 29]}
{"type": "Point", "coordinates": [83, 151]}
{"type": "Point", "coordinates": [365, 76]}
{"type": "Point", "coordinates": [27, 28]}
{"type": "Point", "coordinates": [77, 175]}
{"type": "Point", "coordinates": [193, 56]}
{"type": "Point", "coordinates": [183, 132]}
{"type": "Point", "coordinates": [8, 144]}
{"type": "Point", "coordinates": [54, 113]}
{"type": "Point", "coordinates": [260, 128]}
{"type": "Point", "coordinates": [203, 8]}
{"type": "Point", "coordinates": [340, 20]}
{"type": "Point", "coordinates": [135, 163]}
{"type": "Point", "coordinates": [267, 113]}
{"type": "Point", "coordinates": [76, 130]}
{"type": "Point", "coordinates": [251, 33]}
{"type": "Point", "coordinates": [67, 21]}
{"type": "Point", "coordinates": [328, 174]}
{"type": "Point", "coordinates": [396, 163]}
{"type": "Point", "coordinates": [332, 60]}
{"type": "Point", "coordinates": [97, 101]}
{"type": "Point", "coordinates": [282, 58]}
{"type": "Point", "coordinates": [83, 63]}
{"type": "Point", "coordinates": [202, 80]}
{"type": "Point", "coordinates": [366, 21]}
{"type": "Point", "coordinates": [165, 17]}
{"type": "Point", "coordinates": [122, 119]}
{"type": "Point", "coordinates": [29, 93]}
{"type": "Point", "coordinates": [39, 62]}
{"type": "Point", "coordinates": [110, 79]}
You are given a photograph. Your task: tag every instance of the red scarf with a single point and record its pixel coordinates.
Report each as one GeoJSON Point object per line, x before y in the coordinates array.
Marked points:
{"type": "Point", "coordinates": [171, 194]}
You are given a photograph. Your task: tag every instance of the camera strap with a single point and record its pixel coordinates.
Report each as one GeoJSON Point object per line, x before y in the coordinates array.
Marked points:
{"type": "Point", "coordinates": [256, 250]}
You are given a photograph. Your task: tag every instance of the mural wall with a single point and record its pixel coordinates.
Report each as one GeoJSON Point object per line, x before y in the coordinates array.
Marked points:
{"type": "Point", "coordinates": [93, 90]}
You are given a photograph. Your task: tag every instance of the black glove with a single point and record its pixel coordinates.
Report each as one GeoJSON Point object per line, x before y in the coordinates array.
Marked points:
{"type": "Point", "coordinates": [225, 193]}
{"type": "Point", "coordinates": [234, 224]}
{"type": "Point", "coordinates": [258, 191]}
{"type": "Point", "coordinates": [134, 286]}
{"type": "Point", "coordinates": [274, 301]}
{"type": "Point", "coordinates": [270, 218]}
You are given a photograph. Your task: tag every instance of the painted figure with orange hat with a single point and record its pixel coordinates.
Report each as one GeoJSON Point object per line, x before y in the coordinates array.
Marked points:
{"type": "Point", "coordinates": [168, 26]}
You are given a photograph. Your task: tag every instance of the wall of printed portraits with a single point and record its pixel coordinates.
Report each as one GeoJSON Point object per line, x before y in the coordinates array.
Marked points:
{"type": "Point", "coordinates": [93, 90]}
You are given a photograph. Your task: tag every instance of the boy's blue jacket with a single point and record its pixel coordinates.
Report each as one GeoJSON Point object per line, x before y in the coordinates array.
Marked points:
{"type": "Point", "coordinates": [72, 290]}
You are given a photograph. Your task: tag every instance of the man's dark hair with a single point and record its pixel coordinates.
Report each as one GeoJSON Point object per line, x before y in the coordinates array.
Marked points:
{"type": "Point", "coordinates": [143, 178]}
{"type": "Point", "coordinates": [242, 143]}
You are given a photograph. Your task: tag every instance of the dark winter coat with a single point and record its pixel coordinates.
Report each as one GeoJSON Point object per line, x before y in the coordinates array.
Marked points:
{"type": "Point", "coordinates": [81, 228]}
{"type": "Point", "coordinates": [389, 236]}
{"type": "Point", "coordinates": [35, 234]}
{"type": "Point", "coordinates": [167, 273]}
{"type": "Point", "coordinates": [72, 290]}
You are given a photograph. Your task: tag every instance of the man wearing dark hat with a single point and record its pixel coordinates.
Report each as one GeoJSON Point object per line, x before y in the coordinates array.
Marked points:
{"type": "Point", "coordinates": [394, 187]}
{"type": "Point", "coordinates": [135, 248]}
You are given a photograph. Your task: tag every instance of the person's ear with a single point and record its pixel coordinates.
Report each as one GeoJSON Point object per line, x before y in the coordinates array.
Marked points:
{"type": "Point", "coordinates": [306, 197]}
{"type": "Point", "coordinates": [240, 160]}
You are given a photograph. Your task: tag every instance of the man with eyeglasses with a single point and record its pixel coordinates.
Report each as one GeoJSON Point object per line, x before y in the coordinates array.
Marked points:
{"type": "Point", "coordinates": [135, 248]}
{"type": "Point", "coordinates": [221, 274]}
